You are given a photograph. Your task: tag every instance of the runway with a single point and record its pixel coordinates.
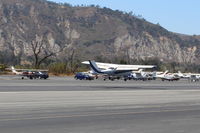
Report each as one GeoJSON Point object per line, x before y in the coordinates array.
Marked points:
{"type": "Point", "coordinates": [65, 105]}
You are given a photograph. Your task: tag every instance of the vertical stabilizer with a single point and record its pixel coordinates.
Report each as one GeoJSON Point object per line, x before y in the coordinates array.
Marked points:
{"type": "Point", "coordinates": [94, 67]}
{"type": "Point", "coordinates": [140, 70]}
{"type": "Point", "coordinates": [165, 72]}
{"type": "Point", "coordinates": [13, 69]}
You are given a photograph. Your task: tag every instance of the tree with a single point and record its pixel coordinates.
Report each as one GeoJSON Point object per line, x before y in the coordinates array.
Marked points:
{"type": "Point", "coordinates": [73, 63]}
{"type": "Point", "coordinates": [42, 50]}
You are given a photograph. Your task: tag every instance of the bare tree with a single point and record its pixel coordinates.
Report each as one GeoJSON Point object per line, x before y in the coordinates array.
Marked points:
{"type": "Point", "coordinates": [42, 51]}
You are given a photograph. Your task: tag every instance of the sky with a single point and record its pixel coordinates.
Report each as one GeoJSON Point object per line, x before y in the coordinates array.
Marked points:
{"type": "Point", "coordinates": [180, 16]}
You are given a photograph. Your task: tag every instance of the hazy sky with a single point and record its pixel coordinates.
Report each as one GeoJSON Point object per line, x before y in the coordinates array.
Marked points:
{"type": "Point", "coordinates": [181, 16]}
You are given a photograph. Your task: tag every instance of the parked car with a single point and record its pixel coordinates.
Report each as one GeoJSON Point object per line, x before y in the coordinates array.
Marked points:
{"type": "Point", "coordinates": [41, 75]}
{"type": "Point", "coordinates": [83, 76]}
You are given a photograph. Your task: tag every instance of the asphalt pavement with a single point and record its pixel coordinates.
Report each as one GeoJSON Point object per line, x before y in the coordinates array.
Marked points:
{"type": "Point", "coordinates": [66, 105]}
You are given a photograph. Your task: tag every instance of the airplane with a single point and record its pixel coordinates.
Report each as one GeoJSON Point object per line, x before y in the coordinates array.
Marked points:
{"type": "Point", "coordinates": [183, 75]}
{"type": "Point", "coordinates": [30, 73]}
{"type": "Point", "coordinates": [136, 75]}
{"type": "Point", "coordinates": [141, 75]}
{"type": "Point", "coordinates": [166, 76]}
{"type": "Point", "coordinates": [114, 71]}
{"type": "Point", "coordinates": [193, 77]}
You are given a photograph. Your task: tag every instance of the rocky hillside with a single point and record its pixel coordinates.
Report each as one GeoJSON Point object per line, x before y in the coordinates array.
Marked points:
{"type": "Point", "coordinates": [65, 33]}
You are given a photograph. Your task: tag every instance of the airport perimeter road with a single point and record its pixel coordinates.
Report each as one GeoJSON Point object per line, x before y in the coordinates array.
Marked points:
{"type": "Point", "coordinates": [64, 105]}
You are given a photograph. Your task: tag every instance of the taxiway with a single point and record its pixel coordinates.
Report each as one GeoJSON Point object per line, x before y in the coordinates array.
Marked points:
{"type": "Point", "coordinates": [65, 105]}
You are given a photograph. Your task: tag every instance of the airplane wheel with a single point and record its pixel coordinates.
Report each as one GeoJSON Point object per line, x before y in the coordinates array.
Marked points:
{"type": "Point", "coordinates": [22, 77]}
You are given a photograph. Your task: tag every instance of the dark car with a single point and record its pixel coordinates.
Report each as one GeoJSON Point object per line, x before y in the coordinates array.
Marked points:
{"type": "Point", "coordinates": [40, 75]}
{"type": "Point", "coordinates": [83, 76]}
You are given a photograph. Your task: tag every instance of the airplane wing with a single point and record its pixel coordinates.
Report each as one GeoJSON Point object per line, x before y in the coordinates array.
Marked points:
{"type": "Point", "coordinates": [196, 74]}
{"type": "Point", "coordinates": [119, 66]}
{"type": "Point", "coordinates": [43, 70]}
{"type": "Point", "coordinates": [39, 70]}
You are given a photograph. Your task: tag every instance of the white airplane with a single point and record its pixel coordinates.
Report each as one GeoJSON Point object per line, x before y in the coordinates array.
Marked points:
{"type": "Point", "coordinates": [136, 75]}
{"type": "Point", "coordinates": [30, 73]}
{"type": "Point", "coordinates": [194, 77]}
{"type": "Point", "coordinates": [16, 72]}
{"type": "Point", "coordinates": [183, 75]}
{"type": "Point", "coordinates": [167, 76]}
{"type": "Point", "coordinates": [190, 76]}
{"type": "Point", "coordinates": [114, 71]}
{"type": "Point", "coordinates": [141, 75]}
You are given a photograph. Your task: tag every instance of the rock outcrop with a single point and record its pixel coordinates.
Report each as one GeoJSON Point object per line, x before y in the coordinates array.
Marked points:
{"type": "Point", "coordinates": [90, 32]}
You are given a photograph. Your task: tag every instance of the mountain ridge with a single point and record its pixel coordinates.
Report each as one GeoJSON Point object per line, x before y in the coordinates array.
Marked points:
{"type": "Point", "coordinates": [82, 33]}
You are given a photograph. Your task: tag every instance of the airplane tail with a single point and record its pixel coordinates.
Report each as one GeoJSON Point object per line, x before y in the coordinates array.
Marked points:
{"type": "Point", "coordinates": [160, 75]}
{"type": "Point", "coordinates": [165, 72]}
{"type": "Point", "coordinates": [180, 73]}
{"type": "Point", "coordinates": [140, 70]}
{"type": "Point", "coordinates": [94, 67]}
{"type": "Point", "coordinates": [13, 70]}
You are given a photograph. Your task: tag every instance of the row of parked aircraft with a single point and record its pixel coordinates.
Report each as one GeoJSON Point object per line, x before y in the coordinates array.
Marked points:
{"type": "Point", "coordinates": [112, 72]}
{"type": "Point", "coordinates": [135, 72]}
